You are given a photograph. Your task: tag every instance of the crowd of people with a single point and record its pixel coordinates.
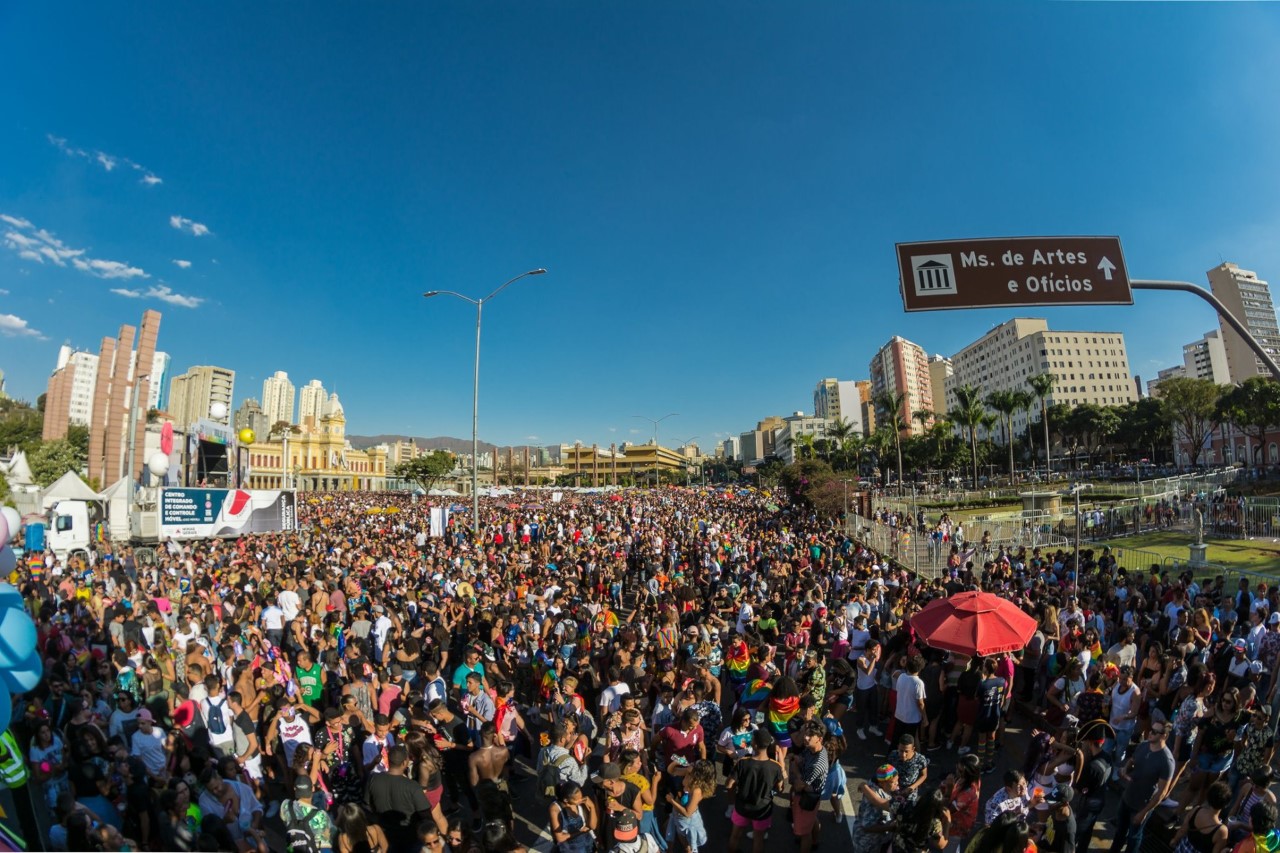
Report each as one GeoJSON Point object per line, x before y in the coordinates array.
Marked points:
{"type": "Point", "coordinates": [638, 671]}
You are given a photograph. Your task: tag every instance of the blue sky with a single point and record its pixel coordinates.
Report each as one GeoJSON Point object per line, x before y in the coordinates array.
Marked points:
{"type": "Point", "coordinates": [715, 189]}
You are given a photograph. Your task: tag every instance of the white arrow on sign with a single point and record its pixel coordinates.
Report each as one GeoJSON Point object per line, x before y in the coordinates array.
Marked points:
{"type": "Point", "coordinates": [1106, 266]}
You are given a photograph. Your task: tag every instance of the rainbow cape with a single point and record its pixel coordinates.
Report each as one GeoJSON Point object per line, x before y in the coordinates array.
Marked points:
{"type": "Point", "coordinates": [780, 713]}
{"type": "Point", "coordinates": [755, 692]}
{"type": "Point", "coordinates": [738, 660]}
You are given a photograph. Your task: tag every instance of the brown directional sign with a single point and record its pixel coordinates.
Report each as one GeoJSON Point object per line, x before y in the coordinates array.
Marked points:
{"type": "Point", "coordinates": [1013, 272]}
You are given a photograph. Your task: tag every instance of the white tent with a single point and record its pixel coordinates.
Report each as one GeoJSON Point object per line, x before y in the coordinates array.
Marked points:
{"type": "Point", "coordinates": [116, 498]}
{"type": "Point", "coordinates": [69, 487]}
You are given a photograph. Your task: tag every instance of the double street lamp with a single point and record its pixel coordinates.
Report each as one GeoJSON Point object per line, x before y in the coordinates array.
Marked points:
{"type": "Point", "coordinates": [656, 461]}
{"type": "Point", "coordinates": [475, 389]}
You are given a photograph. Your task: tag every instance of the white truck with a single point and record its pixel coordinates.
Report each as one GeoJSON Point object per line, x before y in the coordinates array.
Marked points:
{"type": "Point", "coordinates": [160, 515]}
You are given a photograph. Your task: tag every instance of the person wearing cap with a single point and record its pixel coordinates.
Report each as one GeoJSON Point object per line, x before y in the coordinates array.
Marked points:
{"type": "Point", "coordinates": [875, 810]}
{"type": "Point", "coordinates": [149, 745]}
{"type": "Point", "coordinates": [1254, 747]}
{"type": "Point", "coordinates": [617, 794]}
{"type": "Point", "coordinates": [1059, 835]}
{"type": "Point", "coordinates": [628, 837]}
{"type": "Point", "coordinates": [808, 774]}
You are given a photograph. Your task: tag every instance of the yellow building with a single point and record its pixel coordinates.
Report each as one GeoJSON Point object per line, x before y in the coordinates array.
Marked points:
{"type": "Point", "coordinates": [319, 459]}
{"type": "Point", "coordinates": [594, 466]}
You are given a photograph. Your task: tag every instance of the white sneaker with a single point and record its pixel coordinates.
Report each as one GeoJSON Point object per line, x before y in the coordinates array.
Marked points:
{"type": "Point", "coordinates": [875, 730]}
{"type": "Point", "coordinates": [862, 735]}
{"type": "Point", "coordinates": [964, 750]}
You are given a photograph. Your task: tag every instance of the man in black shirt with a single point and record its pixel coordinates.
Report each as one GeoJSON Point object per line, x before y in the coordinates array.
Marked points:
{"type": "Point", "coordinates": [1060, 828]}
{"type": "Point", "coordinates": [755, 781]}
{"type": "Point", "coordinates": [397, 800]}
{"type": "Point", "coordinates": [1092, 793]}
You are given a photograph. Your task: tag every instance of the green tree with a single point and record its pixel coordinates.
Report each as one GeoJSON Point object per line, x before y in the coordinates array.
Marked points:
{"type": "Point", "coordinates": [78, 435]}
{"type": "Point", "coordinates": [1006, 404]}
{"type": "Point", "coordinates": [1254, 407]}
{"type": "Point", "coordinates": [892, 404]}
{"type": "Point", "coordinates": [1145, 428]}
{"type": "Point", "coordinates": [1042, 387]}
{"type": "Point", "coordinates": [1191, 407]}
{"type": "Point", "coordinates": [879, 445]}
{"type": "Point", "coordinates": [968, 414]}
{"type": "Point", "coordinates": [801, 480]}
{"type": "Point", "coordinates": [52, 459]}
{"type": "Point", "coordinates": [426, 470]}
{"type": "Point", "coordinates": [21, 426]}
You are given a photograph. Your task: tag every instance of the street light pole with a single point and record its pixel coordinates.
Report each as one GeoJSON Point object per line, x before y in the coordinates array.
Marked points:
{"type": "Point", "coordinates": [133, 436]}
{"type": "Point", "coordinates": [475, 390]}
{"type": "Point", "coordinates": [655, 422]}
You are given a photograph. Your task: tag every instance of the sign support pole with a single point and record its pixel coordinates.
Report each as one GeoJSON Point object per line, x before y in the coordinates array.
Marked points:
{"type": "Point", "coordinates": [1207, 296]}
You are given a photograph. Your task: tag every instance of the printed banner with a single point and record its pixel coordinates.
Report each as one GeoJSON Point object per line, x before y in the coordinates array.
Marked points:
{"type": "Point", "coordinates": [205, 513]}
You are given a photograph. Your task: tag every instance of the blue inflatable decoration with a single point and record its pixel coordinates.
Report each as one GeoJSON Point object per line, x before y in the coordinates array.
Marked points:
{"type": "Point", "coordinates": [20, 663]}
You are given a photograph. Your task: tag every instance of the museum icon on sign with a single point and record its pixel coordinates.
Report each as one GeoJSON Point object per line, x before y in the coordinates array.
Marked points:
{"type": "Point", "coordinates": [934, 275]}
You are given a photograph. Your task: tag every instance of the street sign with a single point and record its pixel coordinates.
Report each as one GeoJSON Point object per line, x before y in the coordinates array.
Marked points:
{"type": "Point", "coordinates": [1013, 272]}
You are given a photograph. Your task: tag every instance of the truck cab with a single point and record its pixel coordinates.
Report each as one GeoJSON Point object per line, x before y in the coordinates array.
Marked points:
{"type": "Point", "coordinates": [69, 528]}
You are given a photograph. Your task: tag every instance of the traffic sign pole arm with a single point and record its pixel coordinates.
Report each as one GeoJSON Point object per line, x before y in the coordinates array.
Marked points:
{"type": "Point", "coordinates": [1262, 354]}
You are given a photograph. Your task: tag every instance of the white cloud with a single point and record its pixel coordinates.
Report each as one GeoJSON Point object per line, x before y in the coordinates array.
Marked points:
{"type": "Point", "coordinates": [38, 245]}
{"type": "Point", "coordinates": [634, 431]}
{"type": "Point", "coordinates": [163, 293]}
{"type": "Point", "coordinates": [103, 159]}
{"type": "Point", "coordinates": [182, 264]}
{"type": "Point", "coordinates": [107, 269]}
{"type": "Point", "coordinates": [3, 292]}
{"type": "Point", "coordinates": [613, 429]}
{"type": "Point", "coordinates": [196, 229]}
{"type": "Point", "coordinates": [13, 326]}
{"type": "Point", "coordinates": [531, 438]}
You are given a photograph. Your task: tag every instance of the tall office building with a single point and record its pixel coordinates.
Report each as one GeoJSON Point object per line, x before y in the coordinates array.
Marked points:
{"type": "Point", "coordinates": [836, 399]}
{"type": "Point", "coordinates": [311, 403]}
{"type": "Point", "coordinates": [940, 370]}
{"type": "Point", "coordinates": [277, 398]}
{"type": "Point", "coordinates": [1091, 367]}
{"type": "Point", "coordinates": [251, 416]}
{"type": "Point", "coordinates": [192, 395]}
{"type": "Point", "coordinates": [1248, 298]}
{"type": "Point", "coordinates": [901, 367]}
{"type": "Point", "coordinates": [1207, 358]}
{"type": "Point", "coordinates": [69, 396]}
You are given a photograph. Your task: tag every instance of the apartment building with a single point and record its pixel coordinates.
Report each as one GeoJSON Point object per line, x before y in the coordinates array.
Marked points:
{"type": "Point", "coordinates": [1091, 367]}
{"type": "Point", "coordinates": [902, 367]}
{"type": "Point", "coordinates": [1248, 298]}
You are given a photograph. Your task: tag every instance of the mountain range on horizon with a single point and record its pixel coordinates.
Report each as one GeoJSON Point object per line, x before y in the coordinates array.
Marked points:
{"type": "Point", "coordinates": [439, 442]}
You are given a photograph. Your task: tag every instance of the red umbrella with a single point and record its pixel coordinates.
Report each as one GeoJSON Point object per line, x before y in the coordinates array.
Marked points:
{"type": "Point", "coordinates": [974, 623]}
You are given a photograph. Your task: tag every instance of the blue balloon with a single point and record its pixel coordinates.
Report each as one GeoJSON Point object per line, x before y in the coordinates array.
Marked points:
{"type": "Point", "coordinates": [17, 637]}
{"type": "Point", "coordinates": [26, 675]}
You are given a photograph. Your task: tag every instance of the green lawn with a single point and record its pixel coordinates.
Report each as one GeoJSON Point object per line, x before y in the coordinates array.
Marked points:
{"type": "Point", "coordinates": [1255, 555]}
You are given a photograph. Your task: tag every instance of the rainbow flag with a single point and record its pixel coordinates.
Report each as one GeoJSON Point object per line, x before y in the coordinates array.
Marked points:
{"type": "Point", "coordinates": [754, 694]}
{"type": "Point", "coordinates": [779, 715]}
{"type": "Point", "coordinates": [738, 660]}
{"type": "Point", "coordinates": [549, 682]}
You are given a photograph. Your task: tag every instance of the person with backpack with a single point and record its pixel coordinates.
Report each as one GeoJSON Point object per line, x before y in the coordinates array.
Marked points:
{"type": "Point", "coordinates": [218, 717]}
{"type": "Point", "coordinates": [556, 765]}
{"type": "Point", "coordinates": [307, 829]}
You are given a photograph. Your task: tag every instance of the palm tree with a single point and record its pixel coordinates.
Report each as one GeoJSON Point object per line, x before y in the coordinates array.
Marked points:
{"type": "Point", "coordinates": [837, 433]}
{"type": "Point", "coordinates": [1042, 386]}
{"type": "Point", "coordinates": [892, 403]}
{"type": "Point", "coordinates": [968, 414]}
{"type": "Point", "coordinates": [1005, 403]}
{"type": "Point", "coordinates": [1027, 402]}
{"type": "Point", "coordinates": [923, 417]}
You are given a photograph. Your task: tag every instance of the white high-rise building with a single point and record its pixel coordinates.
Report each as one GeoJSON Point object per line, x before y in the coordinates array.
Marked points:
{"type": "Point", "coordinates": [836, 400]}
{"type": "Point", "coordinates": [1248, 298]}
{"type": "Point", "coordinates": [83, 383]}
{"type": "Point", "coordinates": [311, 403]}
{"type": "Point", "coordinates": [1207, 358]}
{"type": "Point", "coordinates": [277, 398]}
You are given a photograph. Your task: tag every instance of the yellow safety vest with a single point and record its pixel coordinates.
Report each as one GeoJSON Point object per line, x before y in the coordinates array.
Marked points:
{"type": "Point", "coordinates": [13, 768]}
